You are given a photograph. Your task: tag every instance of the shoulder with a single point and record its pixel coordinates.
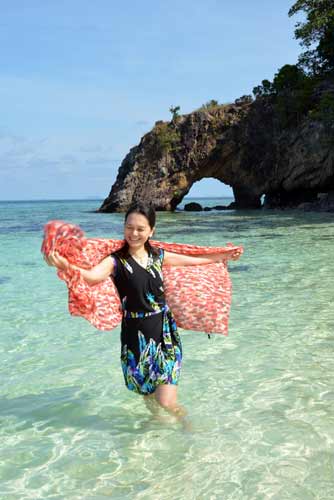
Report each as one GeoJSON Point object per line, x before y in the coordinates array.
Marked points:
{"type": "Point", "coordinates": [116, 262]}
{"type": "Point", "coordinates": [120, 255]}
{"type": "Point", "coordinates": [122, 262]}
{"type": "Point", "coordinates": [115, 257]}
{"type": "Point", "coordinates": [158, 254]}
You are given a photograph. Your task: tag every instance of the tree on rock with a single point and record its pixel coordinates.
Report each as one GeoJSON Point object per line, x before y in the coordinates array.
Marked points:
{"type": "Point", "coordinates": [318, 29]}
{"type": "Point", "coordinates": [175, 110]}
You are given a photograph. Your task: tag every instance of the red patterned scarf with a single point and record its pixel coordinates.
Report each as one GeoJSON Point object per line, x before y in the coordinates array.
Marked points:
{"type": "Point", "coordinates": [199, 296]}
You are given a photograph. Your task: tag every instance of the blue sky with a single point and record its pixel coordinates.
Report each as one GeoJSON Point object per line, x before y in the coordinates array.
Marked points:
{"type": "Point", "coordinates": [82, 81]}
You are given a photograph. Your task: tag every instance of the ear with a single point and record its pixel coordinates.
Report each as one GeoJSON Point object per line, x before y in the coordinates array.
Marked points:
{"type": "Point", "coordinates": [152, 232]}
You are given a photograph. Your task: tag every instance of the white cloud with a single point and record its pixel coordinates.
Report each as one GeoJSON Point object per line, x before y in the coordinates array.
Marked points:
{"type": "Point", "coordinates": [23, 153]}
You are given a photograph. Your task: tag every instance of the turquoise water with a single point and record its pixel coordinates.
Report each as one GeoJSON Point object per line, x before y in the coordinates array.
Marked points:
{"type": "Point", "coordinates": [260, 401]}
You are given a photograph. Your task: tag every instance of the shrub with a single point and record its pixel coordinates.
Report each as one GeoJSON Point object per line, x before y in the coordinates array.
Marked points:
{"type": "Point", "coordinates": [210, 105]}
{"type": "Point", "coordinates": [167, 137]}
{"type": "Point", "coordinates": [245, 99]}
{"type": "Point", "coordinates": [324, 111]}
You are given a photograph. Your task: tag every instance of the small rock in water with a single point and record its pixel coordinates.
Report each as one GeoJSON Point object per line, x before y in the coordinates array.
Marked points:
{"type": "Point", "coordinates": [193, 207]}
{"type": "Point", "coordinates": [220, 207]}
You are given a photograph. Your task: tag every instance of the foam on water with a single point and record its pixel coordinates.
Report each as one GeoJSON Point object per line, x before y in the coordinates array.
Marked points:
{"type": "Point", "coordinates": [260, 402]}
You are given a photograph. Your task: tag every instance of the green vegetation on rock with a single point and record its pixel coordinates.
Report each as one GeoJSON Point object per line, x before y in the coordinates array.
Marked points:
{"type": "Point", "coordinates": [244, 99]}
{"type": "Point", "coordinates": [294, 89]}
{"type": "Point", "coordinates": [211, 105]}
{"type": "Point", "coordinates": [318, 30]}
{"type": "Point", "coordinates": [167, 136]}
{"type": "Point", "coordinates": [324, 111]}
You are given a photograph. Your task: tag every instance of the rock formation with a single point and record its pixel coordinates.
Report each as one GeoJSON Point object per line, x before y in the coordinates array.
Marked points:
{"type": "Point", "coordinates": [244, 145]}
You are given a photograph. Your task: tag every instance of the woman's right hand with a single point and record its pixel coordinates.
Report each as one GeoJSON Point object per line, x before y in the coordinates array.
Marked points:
{"type": "Point", "coordinates": [56, 260]}
{"type": "Point", "coordinates": [94, 275]}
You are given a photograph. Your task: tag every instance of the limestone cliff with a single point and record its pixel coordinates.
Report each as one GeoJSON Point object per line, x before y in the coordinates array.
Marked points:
{"type": "Point", "coordinates": [243, 145]}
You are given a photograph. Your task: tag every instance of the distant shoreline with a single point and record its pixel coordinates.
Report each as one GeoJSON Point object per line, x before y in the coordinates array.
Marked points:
{"type": "Point", "coordinates": [41, 200]}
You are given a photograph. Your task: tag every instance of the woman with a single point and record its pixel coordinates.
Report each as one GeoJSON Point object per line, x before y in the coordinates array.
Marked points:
{"type": "Point", "coordinates": [151, 352]}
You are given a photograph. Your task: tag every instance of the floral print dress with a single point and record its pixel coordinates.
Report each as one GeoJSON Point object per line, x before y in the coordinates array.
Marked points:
{"type": "Point", "coordinates": [151, 351]}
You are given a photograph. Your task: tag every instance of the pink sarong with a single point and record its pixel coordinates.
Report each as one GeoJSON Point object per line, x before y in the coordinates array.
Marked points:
{"type": "Point", "coordinates": [199, 296]}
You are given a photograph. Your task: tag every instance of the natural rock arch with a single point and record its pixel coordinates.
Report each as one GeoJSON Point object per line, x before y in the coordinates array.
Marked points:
{"type": "Point", "coordinates": [243, 145]}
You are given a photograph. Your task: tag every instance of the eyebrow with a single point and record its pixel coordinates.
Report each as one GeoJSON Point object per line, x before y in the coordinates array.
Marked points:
{"type": "Point", "coordinates": [133, 225]}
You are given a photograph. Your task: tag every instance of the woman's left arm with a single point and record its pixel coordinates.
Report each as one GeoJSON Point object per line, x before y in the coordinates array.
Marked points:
{"type": "Point", "coordinates": [177, 259]}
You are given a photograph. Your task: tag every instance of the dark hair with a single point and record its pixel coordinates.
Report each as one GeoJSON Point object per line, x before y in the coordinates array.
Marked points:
{"type": "Point", "coordinates": [147, 211]}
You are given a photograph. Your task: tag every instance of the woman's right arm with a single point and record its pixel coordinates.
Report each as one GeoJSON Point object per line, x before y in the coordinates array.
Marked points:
{"type": "Point", "coordinates": [98, 273]}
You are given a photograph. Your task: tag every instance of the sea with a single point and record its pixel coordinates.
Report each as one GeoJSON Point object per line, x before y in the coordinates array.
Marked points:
{"type": "Point", "coordinates": [260, 401]}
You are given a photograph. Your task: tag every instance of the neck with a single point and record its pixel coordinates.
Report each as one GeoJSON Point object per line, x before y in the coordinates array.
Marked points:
{"type": "Point", "coordinates": [140, 252]}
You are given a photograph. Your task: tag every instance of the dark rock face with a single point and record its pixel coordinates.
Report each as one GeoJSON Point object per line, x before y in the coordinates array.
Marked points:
{"type": "Point", "coordinates": [289, 199]}
{"type": "Point", "coordinates": [324, 203]}
{"type": "Point", "coordinates": [243, 145]}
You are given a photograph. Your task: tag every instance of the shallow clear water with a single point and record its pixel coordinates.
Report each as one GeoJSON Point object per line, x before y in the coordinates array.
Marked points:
{"type": "Point", "coordinates": [260, 402]}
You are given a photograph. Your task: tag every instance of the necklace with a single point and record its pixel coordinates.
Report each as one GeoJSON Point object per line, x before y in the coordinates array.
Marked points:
{"type": "Point", "coordinates": [142, 261]}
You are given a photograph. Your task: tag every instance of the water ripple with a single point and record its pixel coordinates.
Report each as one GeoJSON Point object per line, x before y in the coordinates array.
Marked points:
{"type": "Point", "coordinates": [260, 402]}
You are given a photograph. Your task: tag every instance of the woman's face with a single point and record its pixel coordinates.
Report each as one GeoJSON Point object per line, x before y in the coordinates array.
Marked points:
{"type": "Point", "coordinates": [137, 230]}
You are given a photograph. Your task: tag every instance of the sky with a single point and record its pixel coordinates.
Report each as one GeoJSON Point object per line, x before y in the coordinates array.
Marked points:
{"type": "Point", "coordinates": [82, 81]}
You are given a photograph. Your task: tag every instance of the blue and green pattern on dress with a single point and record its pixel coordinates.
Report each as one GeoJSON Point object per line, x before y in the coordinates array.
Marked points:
{"type": "Point", "coordinates": [155, 265]}
{"type": "Point", "coordinates": [157, 364]}
{"type": "Point", "coordinates": [153, 303]}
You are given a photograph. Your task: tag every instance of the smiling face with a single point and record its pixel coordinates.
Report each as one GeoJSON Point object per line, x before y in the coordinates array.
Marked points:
{"type": "Point", "coordinates": [137, 230]}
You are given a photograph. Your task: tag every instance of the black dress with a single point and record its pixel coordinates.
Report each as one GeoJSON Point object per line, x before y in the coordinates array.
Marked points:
{"type": "Point", "coordinates": [151, 351]}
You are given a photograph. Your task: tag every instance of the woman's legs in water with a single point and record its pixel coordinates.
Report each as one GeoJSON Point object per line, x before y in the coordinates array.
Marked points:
{"type": "Point", "coordinates": [166, 397]}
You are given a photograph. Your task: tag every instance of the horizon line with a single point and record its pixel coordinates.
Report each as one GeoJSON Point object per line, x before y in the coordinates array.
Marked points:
{"type": "Point", "coordinates": [101, 199]}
